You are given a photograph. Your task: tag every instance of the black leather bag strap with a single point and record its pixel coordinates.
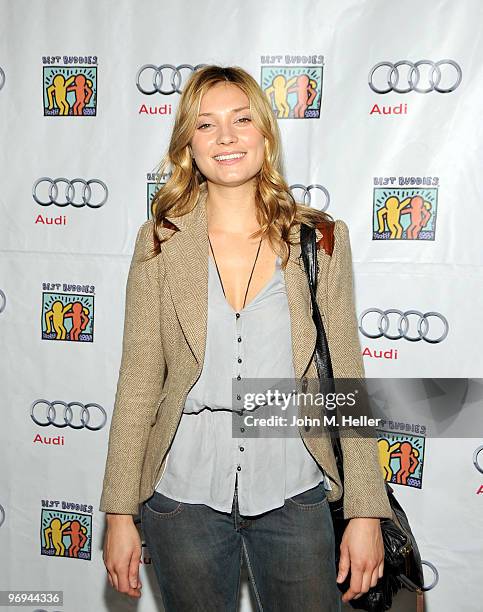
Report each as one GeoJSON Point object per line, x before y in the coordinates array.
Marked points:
{"type": "Point", "coordinates": [322, 355]}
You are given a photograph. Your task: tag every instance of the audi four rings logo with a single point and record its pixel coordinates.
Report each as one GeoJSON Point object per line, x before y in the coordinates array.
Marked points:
{"type": "Point", "coordinates": [383, 324]}
{"type": "Point", "coordinates": [413, 76]}
{"type": "Point", "coordinates": [477, 459]}
{"type": "Point", "coordinates": [64, 416]}
{"type": "Point", "coordinates": [432, 567]}
{"type": "Point", "coordinates": [166, 74]}
{"type": "Point", "coordinates": [310, 191]}
{"type": "Point", "coordinates": [83, 192]}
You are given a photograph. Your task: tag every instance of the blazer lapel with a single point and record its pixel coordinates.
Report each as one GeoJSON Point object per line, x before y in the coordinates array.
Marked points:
{"type": "Point", "coordinates": [185, 255]}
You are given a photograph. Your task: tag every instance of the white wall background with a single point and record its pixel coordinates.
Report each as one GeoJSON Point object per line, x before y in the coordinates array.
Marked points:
{"type": "Point", "coordinates": [439, 135]}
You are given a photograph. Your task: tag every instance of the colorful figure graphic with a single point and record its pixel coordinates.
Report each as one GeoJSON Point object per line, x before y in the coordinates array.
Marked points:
{"type": "Point", "coordinates": [385, 451]}
{"type": "Point", "coordinates": [56, 316]}
{"type": "Point", "coordinates": [70, 91]}
{"type": "Point", "coordinates": [58, 90]}
{"type": "Point", "coordinates": [408, 460]}
{"type": "Point", "coordinates": [66, 534]}
{"type": "Point", "coordinates": [78, 538]}
{"type": "Point", "coordinates": [80, 319]}
{"type": "Point", "coordinates": [402, 214]}
{"type": "Point", "coordinates": [390, 215]}
{"type": "Point", "coordinates": [293, 92]}
{"type": "Point", "coordinates": [68, 317]}
{"type": "Point", "coordinates": [279, 89]}
{"type": "Point", "coordinates": [305, 89]}
{"type": "Point", "coordinates": [53, 534]}
{"type": "Point", "coordinates": [401, 458]}
{"type": "Point", "coordinates": [83, 92]}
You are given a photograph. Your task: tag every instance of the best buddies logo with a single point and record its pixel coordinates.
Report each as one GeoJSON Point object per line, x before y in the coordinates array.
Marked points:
{"type": "Point", "coordinates": [66, 529]}
{"type": "Point", "coordinates": [69, 85]}
{"type": "Point", "coordinates": [293, 84]}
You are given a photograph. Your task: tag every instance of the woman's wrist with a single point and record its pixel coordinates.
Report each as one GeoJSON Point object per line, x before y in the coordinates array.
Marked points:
{"type": "Point", "coordinates": [119, 518]}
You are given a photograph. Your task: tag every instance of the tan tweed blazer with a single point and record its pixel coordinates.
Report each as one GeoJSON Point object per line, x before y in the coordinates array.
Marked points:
{"type": "Point", "coordinates": [163, 351]}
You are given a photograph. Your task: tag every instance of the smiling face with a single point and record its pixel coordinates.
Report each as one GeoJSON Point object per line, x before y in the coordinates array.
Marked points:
{"type": "Point", "coordinates": [227, 147]}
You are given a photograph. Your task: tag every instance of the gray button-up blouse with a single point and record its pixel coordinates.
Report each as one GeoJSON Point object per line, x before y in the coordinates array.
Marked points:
{"type": "Point", "coordinates": [205, 459]}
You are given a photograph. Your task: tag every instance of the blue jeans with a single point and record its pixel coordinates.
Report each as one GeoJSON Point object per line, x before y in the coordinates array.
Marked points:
{"type": "Point", "coordinates": [197, 553]}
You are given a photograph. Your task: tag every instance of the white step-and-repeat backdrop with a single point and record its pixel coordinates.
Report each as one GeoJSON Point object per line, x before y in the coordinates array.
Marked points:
{"type": "Point", "coordinates": [380, 107]}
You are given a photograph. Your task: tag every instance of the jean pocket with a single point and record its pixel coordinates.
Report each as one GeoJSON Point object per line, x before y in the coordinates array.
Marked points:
{"type": "Point", "coordinates": [161, 506]}
{"type": "Point", "coordinates": [312, 498]}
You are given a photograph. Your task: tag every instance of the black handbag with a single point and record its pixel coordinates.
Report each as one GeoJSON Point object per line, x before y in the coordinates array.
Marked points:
{"type": "Point", "coordinates": [402, 561]}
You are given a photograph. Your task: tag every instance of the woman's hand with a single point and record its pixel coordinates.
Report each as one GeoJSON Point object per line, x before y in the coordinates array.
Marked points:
{"type": "Point", "coordinates": [361, 552]}
{"type": "Point", "coordinates": [122, 554]}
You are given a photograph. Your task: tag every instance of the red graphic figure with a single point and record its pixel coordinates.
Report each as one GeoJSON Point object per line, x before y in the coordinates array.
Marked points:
{"type": "Point", "coordinates": [408, 462]}
{"type": "Point", "coordinates": [77, 537]}
{"type": "Point", "coordinates": [304, 87]}
{"type": "Point", "coordinates": [83, 91]}
{"type": "Point", "coordinates": [80, 319]}
{"type": "Point", "coordinates": [419, 211]}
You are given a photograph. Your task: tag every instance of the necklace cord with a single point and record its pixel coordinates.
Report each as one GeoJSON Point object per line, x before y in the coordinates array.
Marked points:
{"type": "Point", "coordinates": [251, 274]}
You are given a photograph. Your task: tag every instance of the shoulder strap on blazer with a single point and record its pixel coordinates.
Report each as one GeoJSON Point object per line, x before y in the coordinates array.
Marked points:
{"type": "Point", "coordinates": [326, 228]}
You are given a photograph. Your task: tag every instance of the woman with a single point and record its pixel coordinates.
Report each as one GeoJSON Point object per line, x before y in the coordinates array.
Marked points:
{"type": "Point", "coordinates": [216, 291]}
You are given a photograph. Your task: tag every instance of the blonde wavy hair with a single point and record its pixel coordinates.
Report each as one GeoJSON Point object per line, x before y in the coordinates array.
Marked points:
{"type": "Point", "coordinates": [276, 209]}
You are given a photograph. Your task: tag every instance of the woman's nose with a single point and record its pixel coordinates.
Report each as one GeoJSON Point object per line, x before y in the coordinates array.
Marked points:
{"type": "Point", "coordinates": [226, 134]}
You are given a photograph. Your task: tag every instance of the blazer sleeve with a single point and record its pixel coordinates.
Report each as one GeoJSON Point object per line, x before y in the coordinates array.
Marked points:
{"type": "Point", "coordinates": [364, 486]}
{"type": "Point", "coordinates": [141, 376]}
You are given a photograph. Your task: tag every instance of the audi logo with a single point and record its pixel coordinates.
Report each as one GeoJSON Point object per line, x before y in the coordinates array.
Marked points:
{"type": "Point", "coordinates": [476, 459]}
{"type": "Point", "coordinates": [307, 195]}
{"type": "Point", "coordinates": [3, 301]}
{"type": "Point", "coordinates": [2, 515]}
{"type": "Point", "coordinates": [414, 76]}
{"type": "Point", "coordinates": [67, 418]}
{"type": "Point", "coordinates": [383, 324]}
{"type": "Point", "coordinates": [157, 78]}
{"type": "Point", "coordinates": [435, 575]}
{"type": "Point", "coordinates": [84, 193]}
{"type": "Point", "coordinates": [2, 78]}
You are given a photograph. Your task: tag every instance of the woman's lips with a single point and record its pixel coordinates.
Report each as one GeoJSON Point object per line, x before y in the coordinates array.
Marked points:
{"type": "Point", "coordinates": [230, 162]}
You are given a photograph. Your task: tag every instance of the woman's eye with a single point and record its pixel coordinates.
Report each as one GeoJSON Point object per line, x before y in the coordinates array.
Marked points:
{"type": "Point", "coordinates": [202, 125]}
{"type": "Point", "coordinates": [244, 119]}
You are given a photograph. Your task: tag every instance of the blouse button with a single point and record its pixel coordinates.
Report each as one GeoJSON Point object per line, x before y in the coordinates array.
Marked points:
{"type": "Point", "coordinates": [238, 397]}
{"type": "Point", "coordinates": [242, 429]}
{"type": "Point", "coordinates": [241, 448]}
{"type": "Point", "coordinates": [239, 360]}
{"type": "Point", "coordinates": [239, 338]}
{"type": "Point", "coordinates": [238, 377]}
{"type": "Point", "coordinates": [238, 468]}
{"type": "Point", "coordinates": [237, 315]}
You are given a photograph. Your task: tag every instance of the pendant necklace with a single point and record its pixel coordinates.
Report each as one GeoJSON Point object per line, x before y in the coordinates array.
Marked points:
{"type": "Point", "coordinates": [251, 274]}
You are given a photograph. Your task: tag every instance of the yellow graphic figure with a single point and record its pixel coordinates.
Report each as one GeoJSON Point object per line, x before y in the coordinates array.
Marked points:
{"type": "Point", "coordinates": [58, 90]}
{"type": "Point", "coordinates": [305, 88]}
{"type": "Point", "coordinates": [279, 88]}
{"type": "Point", "coordinates": [418, 209]}
{"type": "Point", "coordinates": [56, 315]}
{"type": "Point", "coordinates": [385, 457]}
{"type": "Point", "coordinates": [54, 532]}
{"type": "Point", "coordinates": [391, 213]}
